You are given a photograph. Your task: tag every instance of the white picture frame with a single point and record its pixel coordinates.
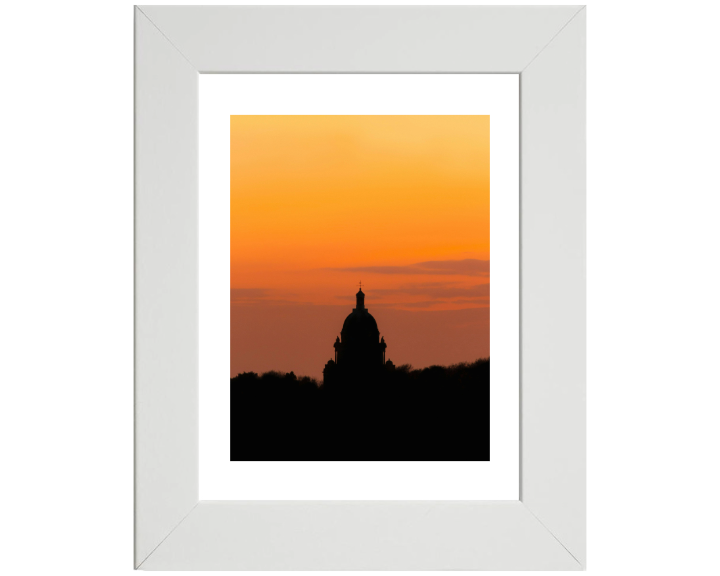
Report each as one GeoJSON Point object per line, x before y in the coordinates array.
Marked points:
{"type": "Point", "coordinates": [545, 528]}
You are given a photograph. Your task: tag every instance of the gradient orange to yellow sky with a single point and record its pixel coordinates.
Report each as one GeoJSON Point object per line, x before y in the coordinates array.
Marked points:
{"type": "Point", "coordinates": [319, 203]}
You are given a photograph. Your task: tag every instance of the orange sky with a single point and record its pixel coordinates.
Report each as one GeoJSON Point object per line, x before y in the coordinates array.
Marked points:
{"type": "Point", "coordinates": [319, 203]}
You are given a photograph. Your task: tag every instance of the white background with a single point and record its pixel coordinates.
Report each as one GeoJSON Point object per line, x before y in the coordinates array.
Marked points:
{"type": "Point", "coordinates": [66, 287]}
{"type": "Point", "coordinates": [222, 95]}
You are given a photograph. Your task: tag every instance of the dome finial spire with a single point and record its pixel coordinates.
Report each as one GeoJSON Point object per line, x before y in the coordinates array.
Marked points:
{"type": "Point", "coordinates": [360, 298]}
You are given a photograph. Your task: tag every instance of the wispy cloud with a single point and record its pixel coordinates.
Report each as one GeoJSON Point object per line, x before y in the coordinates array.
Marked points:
{"type": "Point", "coordinates": [248, 293]}
{"type": "Point", "coordinates": [482, 301]}
{"type": "Point", "coordinates": [262, 296]}
{"type": "Point", "coordinates": [467, 267]}
{"type": "Point", "coordinates": [432, 295]}
{"type": "Point", "coordinates": [439, 290]}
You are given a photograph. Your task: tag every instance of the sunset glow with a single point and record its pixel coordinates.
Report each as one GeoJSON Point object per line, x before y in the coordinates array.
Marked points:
{"type": "Point", "coordinates": [320, 203]}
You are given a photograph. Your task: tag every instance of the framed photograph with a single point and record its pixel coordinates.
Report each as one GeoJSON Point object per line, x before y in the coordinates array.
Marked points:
{"type": "Point", "coordinates": [387, 195]}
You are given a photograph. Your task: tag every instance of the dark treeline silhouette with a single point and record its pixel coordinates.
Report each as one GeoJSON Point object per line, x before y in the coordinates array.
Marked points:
{"type": "Point", "coordinates": [436, 413]}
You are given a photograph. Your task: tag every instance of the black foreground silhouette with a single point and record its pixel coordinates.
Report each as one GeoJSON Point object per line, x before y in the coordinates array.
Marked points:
{"type": "Point", "coordinates": [365, 408]}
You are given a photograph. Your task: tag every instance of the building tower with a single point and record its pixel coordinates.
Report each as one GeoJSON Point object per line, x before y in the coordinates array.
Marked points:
{"type": "Point", "coordinates": [359, 351]}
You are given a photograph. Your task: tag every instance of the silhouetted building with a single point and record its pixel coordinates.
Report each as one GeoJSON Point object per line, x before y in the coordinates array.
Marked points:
{"type": "Point", "coordinates": [359, 350]}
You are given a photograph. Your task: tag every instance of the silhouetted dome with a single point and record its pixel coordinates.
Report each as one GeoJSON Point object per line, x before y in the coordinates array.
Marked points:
{"type": "Point", "coordinates": [360, 326]}
{"type": "Point", "coordinates": [360, 321]}
{"type": "Point", "coordinates": [358, 351]}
